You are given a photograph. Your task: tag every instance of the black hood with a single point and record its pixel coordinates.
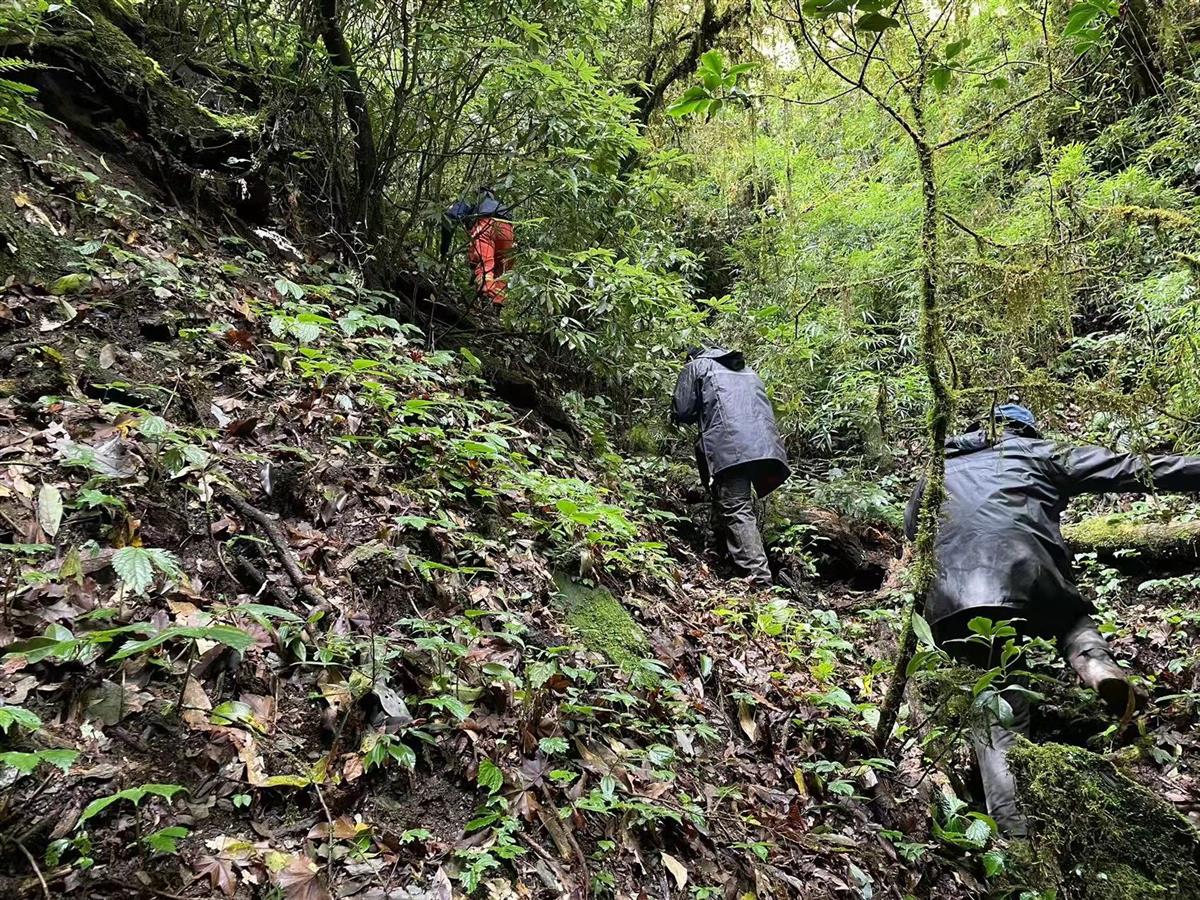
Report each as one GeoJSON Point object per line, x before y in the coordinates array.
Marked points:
{"type": "Point", "coordinates": [981, 438]}
{"type": "Point", "coordinates": [730, 359]}
{"type": "Point", "coordinates": [971, 442]}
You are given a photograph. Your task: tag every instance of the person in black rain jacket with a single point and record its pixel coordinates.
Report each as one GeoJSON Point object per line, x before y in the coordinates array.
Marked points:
{"type": "Point", "coordinates": [1001, 555]}
{"type": "Point", "coordinates": [739, 450]}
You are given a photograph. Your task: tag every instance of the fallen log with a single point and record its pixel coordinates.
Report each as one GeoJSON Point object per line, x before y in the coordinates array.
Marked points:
{"type": "Point", "coordinates": [1112, 535]}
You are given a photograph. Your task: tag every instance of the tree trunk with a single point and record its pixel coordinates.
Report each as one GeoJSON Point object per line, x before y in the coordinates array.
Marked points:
{"type": "Point", "coordinates": [365, 207]}
{"type": "Point", "coordinates": [105, 87]}
{"type": "Point", "coordinates": [925, 559]}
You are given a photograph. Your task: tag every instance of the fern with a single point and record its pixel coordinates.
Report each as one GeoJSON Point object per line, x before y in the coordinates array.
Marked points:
{"type": "Point", "coordinates": [14, 64]}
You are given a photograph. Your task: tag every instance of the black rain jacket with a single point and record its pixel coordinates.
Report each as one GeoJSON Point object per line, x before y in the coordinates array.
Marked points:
{"type": "Point", "coordinates": [718, 391]}
{"type": "Point", "coordinates": [999, 546]}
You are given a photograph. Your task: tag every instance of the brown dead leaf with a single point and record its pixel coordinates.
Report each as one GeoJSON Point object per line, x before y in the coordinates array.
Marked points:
{"type": "Point", "coordinates": [220, 873]}
{"type": "Point", "coordinates": [256, 772]}
{"type": "Point", "coordinates": [263, 709]}
{"type": "Point", "coordinates": [352, 768]}
{"type": "Point", "coordinates": [746, 720]}
{"type": "Point", "coordinates": [241, 427]}
{"type": "Point", "coordinates": [195, 706]}
{"type": "Point", "coordinates": [300, 880]}
{"type": "Point", "coordinates": [240, 338]}
{"type": "Point", "coordinates": [441, 885]}
{"type": "Point", "coordinates": [677, 869]}
{"type": "Point", "coordinates": [344, 829]}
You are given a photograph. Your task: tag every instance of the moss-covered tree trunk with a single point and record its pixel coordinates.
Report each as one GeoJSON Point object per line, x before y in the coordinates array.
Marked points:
{"type": "Point", "coordinates": [104, 85]}
{"type": "Point", "coordinates": [365, 205]}
{"type": "Point", "coordinates": [940, 410]}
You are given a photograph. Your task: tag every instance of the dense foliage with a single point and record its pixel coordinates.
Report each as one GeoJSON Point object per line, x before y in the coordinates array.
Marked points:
{"type": "Point", "coordinates": [277, 489]}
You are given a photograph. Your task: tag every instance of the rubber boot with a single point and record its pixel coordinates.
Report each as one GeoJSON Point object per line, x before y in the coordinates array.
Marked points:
{"type": "Point", "coordinates": [1088, 653]}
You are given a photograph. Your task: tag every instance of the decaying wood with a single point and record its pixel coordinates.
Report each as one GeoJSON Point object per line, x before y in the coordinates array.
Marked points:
{"type": "Point", "coordinates": [275, 535]}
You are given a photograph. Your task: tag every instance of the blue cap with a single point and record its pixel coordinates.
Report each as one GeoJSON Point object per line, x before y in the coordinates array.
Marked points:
{"type": "Point", "coordinates": [1014, 412]}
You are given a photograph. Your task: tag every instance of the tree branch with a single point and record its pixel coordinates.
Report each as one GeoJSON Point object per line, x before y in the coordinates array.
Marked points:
{"type": "Point", "coordinates": [991, 123]}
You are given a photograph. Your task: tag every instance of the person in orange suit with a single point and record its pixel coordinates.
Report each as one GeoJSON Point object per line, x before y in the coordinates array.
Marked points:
{"type": "Point", "coordinates": [488, 224]}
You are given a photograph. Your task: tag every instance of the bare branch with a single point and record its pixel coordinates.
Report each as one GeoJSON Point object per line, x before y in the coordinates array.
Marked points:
{"type": "Point", "coordinates": [991, 123]}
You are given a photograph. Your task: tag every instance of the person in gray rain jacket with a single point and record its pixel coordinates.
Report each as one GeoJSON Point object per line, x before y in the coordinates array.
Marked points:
{"type": "Point", "coordinates": [738, 451]}
{"type": "Point", "coordinates": [1001, 555]}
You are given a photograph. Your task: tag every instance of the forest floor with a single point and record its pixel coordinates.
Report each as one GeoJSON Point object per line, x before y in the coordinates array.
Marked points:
{"type": "Point", "coordinates": [287, 612]}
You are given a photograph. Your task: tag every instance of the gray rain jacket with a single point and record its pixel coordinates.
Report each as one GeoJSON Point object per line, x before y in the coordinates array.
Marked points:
{"type": "Point", "coordinates": [998, 542]}
{"type": "Point", "coordinates": [718, 391]}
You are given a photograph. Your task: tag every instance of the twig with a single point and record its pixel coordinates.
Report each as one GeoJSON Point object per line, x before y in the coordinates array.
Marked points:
{"type": "Point", "coordinates": [995, 120]}
{"type": "Point", "coordinates": [36, 871]}
{"type": "Point", "coordinates": [275, 535]}
{"type": "Point", "coordinates": [329, 821]}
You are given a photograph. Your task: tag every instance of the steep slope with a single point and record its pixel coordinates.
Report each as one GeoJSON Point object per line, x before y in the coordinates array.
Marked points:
{"type": "Point", "coordinates": [292, 607]}
{"type": "Point", "coordinates": [281, 592]}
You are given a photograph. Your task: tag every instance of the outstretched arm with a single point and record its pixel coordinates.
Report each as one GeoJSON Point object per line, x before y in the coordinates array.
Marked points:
{"type": "Point", "coordinates": [685, 405]}
{"type": "Point", "coordinates": [1095, 470]}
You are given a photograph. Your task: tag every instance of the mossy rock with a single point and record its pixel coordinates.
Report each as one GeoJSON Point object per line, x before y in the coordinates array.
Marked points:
{"type": "Point", "coordinates": [603, 624]}
{"type": "Point", "coordinates": [27, 251]}
{"type": "Point", "coordinates": [1097, 834]}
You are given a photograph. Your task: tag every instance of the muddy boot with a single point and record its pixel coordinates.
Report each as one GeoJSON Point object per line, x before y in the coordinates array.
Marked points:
{"type": "Point", "coordinates": [1088, 653]}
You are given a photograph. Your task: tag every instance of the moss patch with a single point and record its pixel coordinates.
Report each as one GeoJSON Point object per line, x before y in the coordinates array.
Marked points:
{"type": "Point", "coordinates": [1099, 835]}
{"type": "Point", "coordinates": [1120, 531]}
{"type": "Point", "coordinates": [603, 624]}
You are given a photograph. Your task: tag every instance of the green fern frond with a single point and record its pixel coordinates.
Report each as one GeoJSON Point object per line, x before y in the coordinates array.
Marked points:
{"type": "Point", "coordinates": [14, 64]}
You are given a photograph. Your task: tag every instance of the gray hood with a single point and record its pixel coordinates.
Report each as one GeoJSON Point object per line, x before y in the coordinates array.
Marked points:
{"type": "Point", "coordinates": [718, 391]}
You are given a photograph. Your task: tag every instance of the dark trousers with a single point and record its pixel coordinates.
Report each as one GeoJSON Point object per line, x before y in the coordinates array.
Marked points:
{"type": "Point", "coordinates": [991, 740]}
{"type": "Point", "coordinates": [735, 524]}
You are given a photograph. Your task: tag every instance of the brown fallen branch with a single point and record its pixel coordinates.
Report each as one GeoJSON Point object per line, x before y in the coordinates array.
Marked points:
{"type": "Point", "coordinates": [291, 565]}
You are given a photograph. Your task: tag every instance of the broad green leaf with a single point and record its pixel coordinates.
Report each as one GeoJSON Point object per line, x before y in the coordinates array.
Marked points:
{"type": "Point", "coordinates": [71, 284]}
{"type": "Point", "coordinates": [482, 821]}
{"type": "Point", "coordinates": [490, 776]}
{"type": "Point", "coordinates": [10, 715]}
{"type": "Point", "coordinates": [472, 360]}
{"type": "Point", "coordinates": [940, 77]}
{"type": "Point", "coordinates": [133, 795]}
{"type": "Point", "coordinates": [956, 47]}
{"type": "Point", "coordinates": [221, 634]}
{"type": "Point", "coordinates": [712, 61]}
{"type": "Point", "coordinates": [25, 763]}
{"type": "Point", "coordinates": [825, 8]}
{"type": "Point", "coordinates": [133, 566]}
{"type": "Point", "coordinates": [403, 754]}
{"type": "Point", "coordinates": [153, 426]}
{"type": "Point", "coordinates": [874, 21]}
{"type": "Point", "coordinates": [921, 628]}
{"type": "Point", "coordinates": [978, 833]}
{"type": "Point", "coordinates": [166, 840]}
{"type": "Point", "coordinates": [994, 863]}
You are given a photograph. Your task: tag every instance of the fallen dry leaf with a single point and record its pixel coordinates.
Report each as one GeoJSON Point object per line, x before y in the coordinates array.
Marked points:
{"type": "Point", "coordinates": [221, 875]}
{"type": "Point", "coordinates": [677, 869]}
{"type": "Point", "coordinates": [301, 880]}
